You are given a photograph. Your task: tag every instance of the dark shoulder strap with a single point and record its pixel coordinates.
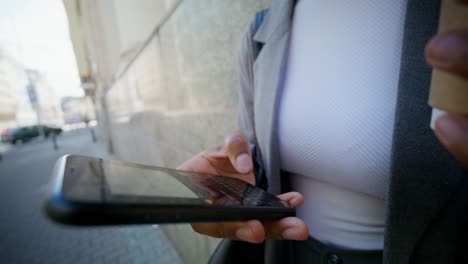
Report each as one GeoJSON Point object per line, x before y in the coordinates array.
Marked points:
{"type": "Point", "coordinates": [257, 46]}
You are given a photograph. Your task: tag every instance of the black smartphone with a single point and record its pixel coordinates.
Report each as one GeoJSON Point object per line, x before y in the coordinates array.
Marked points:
{"type": "Point", "coordinates": [93, 191]}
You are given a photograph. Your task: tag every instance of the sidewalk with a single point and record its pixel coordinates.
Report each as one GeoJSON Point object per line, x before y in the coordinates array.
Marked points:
{"type": "Point", "coordinates": [4, 148]}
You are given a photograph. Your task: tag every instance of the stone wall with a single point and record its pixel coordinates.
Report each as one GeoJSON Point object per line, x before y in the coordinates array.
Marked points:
{"type": "Point", "coordinates": [179, 96]}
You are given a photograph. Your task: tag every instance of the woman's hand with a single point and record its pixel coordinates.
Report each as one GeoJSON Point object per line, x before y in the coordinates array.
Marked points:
{"type": "Point", "coordinates": [234, 159]}
{"type": "Point", "coordinates": [449, 52]}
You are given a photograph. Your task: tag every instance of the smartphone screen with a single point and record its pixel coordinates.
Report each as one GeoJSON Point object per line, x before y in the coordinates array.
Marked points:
{"type": "Point", "coordinates": [119, 189]}
{"type": "Point", "coordinates": [106, 181]}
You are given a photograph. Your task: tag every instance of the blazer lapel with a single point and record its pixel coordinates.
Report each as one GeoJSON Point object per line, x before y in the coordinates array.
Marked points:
{"type": "Point", "coordinates": [268, 80]}
{"type": "Point", "coordinates": [424, 174]}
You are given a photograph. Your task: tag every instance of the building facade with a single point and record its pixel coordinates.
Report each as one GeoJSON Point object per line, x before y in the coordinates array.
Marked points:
{"type": "Point", "coordinates": [7, 100]}
{"type": "Point", "coordinates": [15, 105]}
{"type": "Point", "coordinates": [26, 97]}
{"type": "Point", "coordinates": [43, 99]}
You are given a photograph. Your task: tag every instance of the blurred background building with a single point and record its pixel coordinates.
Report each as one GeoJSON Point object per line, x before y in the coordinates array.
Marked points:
{"type": "Point", "coordinates": [15, 107]}
{"type": "Point", "coordinates": [43, 99]}
{"type": "Point", "coordinates": [163, 79]}
{"type": "Point", "coordinates": [26, 98]}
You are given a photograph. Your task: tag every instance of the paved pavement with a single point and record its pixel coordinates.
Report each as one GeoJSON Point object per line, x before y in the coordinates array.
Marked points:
{"type": "Point", "coordinates": [4, 147]}
{"type": "Point", "coordinates": [26, 236]}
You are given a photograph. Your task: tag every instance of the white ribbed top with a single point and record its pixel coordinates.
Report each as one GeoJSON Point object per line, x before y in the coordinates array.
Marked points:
{"type": "Point", "coordinates": [336, 115]}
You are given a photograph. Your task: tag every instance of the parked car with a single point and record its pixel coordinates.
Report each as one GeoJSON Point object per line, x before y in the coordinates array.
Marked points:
{"type": "Point", "coordinates": [26, 133]}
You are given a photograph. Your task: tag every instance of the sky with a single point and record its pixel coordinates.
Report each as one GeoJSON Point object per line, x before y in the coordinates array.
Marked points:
{"type": "Point", "coordinates": [35, 33]}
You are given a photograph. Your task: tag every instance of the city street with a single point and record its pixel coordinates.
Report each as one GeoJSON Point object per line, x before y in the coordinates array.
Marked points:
{"type": "Point", "coordinates": [27, 236]}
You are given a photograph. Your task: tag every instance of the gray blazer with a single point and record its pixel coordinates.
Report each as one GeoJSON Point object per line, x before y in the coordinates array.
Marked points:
{"type": "Point", "coordinates": [427, 206]}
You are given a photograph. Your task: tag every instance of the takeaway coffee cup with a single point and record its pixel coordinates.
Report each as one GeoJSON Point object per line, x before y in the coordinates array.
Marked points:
{"type": "Point", "coordinates": [449, 92]}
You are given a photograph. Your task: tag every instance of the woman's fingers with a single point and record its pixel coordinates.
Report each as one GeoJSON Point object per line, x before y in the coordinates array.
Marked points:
{"type": "Point", "coordinates": [233, 158]}
{"type": "Point", "coordinates": [251, 231]}
{"type": "Point", "coordinates": [289, 228]}
{"type": "Point", "coordinates": [449, 52]}
{"type": "Point", "coordinates": [198, 163]}
{"type": "Point", "coordinates": [292, 199]}
{"type": "Point", "coordinates": [254, 231]}
{"type": "Point", "coordinates": [237, 149]}
{"type": "Point", "coordinates": [452, 130]}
